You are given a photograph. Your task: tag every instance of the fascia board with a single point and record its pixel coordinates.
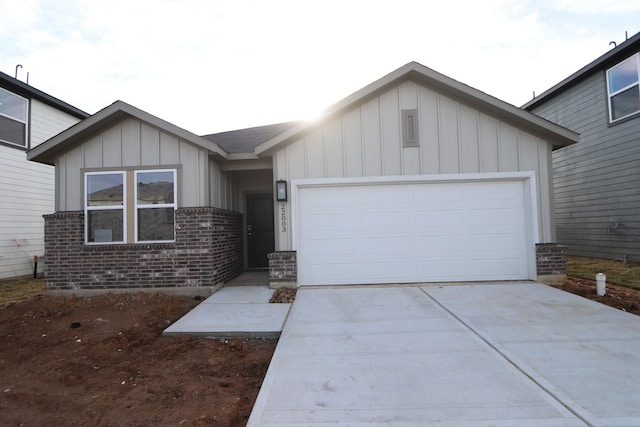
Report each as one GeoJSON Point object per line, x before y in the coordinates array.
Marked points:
{"type": "Point", "coordinates": [45, 152]}
{"type": "Point", "coordinates": [414, 71]}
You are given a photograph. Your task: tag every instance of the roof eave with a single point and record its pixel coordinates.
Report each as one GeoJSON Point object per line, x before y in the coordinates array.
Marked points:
{"type": "Point", "coordinates": [119, 110]}
{"type": "Point", "coordinates": [28, 91]}
{"type": "Point", "coordinates": [414, 71]}
{"type": "Point", "coordinates": [613, 55]}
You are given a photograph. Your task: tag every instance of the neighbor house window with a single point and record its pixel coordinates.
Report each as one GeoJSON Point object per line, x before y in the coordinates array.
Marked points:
{"type": "Point", "coordinates": [623, 88]}
{"type": "Point", "coordinates": [130, 206]}
{"type": "Point", "coordinates": [13, 118]}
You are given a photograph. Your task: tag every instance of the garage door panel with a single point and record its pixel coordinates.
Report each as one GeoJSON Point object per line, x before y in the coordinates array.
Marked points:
{"type": "Point", "coordinates": [397, 272]}
{"type": "Point", "coordinates": [439, 218]}
{"type": "Point", "coordinates": [438, 206]}
{"type": "Point", "coordinates": [484, 243]}
{"type": "Point", "coordinates": [433, 230]}
{"type": "Point", "coordinates": [496, 217]}
{"type": "Point", "coordinates": [391, 245]}
{"type": "Point", "coordinates": [343, 273]}
{"type": "Point", "coordinates": [508, 268]}
{"type": "Point", "coordinates": [491, 190]}
{"type": "Point", "coordinates": [443, 270]}
{"type": "Point", "coordinates": [444, 245]}
{"type": "Point", "coordinates": [327, 196]}
{"type": "Point", "coordinates": [381, 219]}
{"type": "Point", "coordinates": [436, 193]}
{"type": "Point", "coordinates": [330, 248]}
{"type": "Point", "coordinates": [417, 232]}
{"type": "Point", "coordinates": [331, 224]}
{"type": "Point", "coordinates": [373, 195]}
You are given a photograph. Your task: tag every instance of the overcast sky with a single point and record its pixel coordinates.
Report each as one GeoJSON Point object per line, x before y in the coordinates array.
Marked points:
{"type": "Point", "coordinates": [215, 65]}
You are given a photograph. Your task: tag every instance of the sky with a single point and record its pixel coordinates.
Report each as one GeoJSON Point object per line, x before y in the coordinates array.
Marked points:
{"type": "Point", "coordinates": [216, 65]}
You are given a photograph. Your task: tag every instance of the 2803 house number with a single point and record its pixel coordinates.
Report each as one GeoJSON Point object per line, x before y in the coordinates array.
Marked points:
{"type": "Point", "coordinates": [283, 217]}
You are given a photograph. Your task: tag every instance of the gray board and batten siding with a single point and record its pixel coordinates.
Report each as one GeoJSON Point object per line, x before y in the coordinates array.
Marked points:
{"type": "Point", "coordinates": [597, 191]}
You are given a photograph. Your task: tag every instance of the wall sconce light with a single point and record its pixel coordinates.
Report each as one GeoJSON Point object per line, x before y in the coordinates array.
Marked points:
{"type": "Point", "coordinates": [281, 191]}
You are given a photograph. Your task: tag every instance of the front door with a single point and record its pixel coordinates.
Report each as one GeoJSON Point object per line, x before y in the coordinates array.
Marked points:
{"type": "Point", "coordinates": [260, 235]}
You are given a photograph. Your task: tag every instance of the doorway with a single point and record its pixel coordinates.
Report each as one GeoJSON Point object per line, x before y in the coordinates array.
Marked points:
{"type": "Point", "coordinates": [260, 231]}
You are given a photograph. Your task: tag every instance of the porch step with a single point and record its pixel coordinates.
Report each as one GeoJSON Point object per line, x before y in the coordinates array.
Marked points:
{"type": "Point", "coordinates": [250, 278]}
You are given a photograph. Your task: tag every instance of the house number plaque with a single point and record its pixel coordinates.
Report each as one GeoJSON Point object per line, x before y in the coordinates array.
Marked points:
{"type": "Point", "coordinates": [283, 217]}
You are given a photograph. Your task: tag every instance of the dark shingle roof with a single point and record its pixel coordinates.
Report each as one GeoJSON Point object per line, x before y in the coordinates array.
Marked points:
{"type": "Point", "coordinates": [23, 89]}
{"type": "Point", "coordinates": [245, 140]}
{"type": "Point", "coordinates": [613, 56]}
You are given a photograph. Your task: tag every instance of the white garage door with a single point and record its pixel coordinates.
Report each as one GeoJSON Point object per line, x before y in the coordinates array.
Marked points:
{"type": "Point", "coordinates": [412, 232]}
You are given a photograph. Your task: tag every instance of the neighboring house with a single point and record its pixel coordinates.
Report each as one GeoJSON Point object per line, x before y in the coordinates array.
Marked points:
{"type": "Point", "coordinates": [27, 118]}
{"type": "Point", "coordinates": [597, 182]}
{"type": "Point", "coordinates": [414, 178]}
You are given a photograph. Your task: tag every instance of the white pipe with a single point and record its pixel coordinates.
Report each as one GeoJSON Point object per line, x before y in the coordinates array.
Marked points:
{"type": "Point", "coordinates": [601, 283]}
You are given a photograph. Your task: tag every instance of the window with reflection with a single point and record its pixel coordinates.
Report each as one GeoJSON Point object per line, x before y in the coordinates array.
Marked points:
{"type": "Point", "coordinates": [13, 118]}
{"type": "Point", "coordinates": [130, 206]}
{"type": "Point", "coordinates": [105, 195]}
{"type": "Point", "coordinates": [624, 89]}
{"type": "Point", "coordinates": [155, 205]}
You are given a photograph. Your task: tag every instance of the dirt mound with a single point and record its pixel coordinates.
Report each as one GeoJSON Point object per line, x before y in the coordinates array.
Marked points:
{"type": "Point", "coordinates": [103, 361]}
{"type": "Point", "coordinates": [616, 296]}
{"type": "Point", "coordinates": [283, 295]}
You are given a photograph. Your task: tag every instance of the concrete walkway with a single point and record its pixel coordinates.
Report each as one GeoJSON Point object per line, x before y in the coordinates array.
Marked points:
{"type": "Point", "coordinates": [469, 355]}
{"type": "Point", "coordinates": [240, 309]}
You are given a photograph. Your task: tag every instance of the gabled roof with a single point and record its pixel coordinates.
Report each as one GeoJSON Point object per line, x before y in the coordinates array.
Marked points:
{"type": "Point", "coordinates": [609, 59]}
{"type": "Point", "coordinates": [246, 140]}
{"type": "Point", "coordinates": [23, 89]}
{"type": "Point", "coordinates": [420, 74]}
{"type": "Point", "coordinates": [116, 112]}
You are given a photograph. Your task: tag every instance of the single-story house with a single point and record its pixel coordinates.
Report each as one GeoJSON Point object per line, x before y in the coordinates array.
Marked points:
{"type": "Point", "coordinates": [28, 117]}
{"type": "Point", "coordinates": [414, 178]}
{"type": "Point", "coordinates": [597, 195]}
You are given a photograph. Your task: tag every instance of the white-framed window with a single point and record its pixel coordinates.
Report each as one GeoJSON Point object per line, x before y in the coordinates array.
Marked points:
{"type": "Point", "coordinates": [155, 205]}
{"type": "Point", "coordinates": [132, 206]}
{"type": "Point", "coordinates": [624, 89]}
{"type": "Point", "coordinates": [105, 199]}
{"type": "Point", "coordinates": [13, 118]}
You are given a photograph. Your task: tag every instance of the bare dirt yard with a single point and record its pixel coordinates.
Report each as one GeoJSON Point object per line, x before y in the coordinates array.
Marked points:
{"type": "Point", "coordinates": [102, 360]}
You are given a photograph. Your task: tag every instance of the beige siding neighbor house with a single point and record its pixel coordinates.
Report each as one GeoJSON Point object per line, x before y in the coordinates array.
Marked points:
{"type": "Point", "coordinates": [27, 118]}
{"type": "Point", "coordinates": [414, 178]}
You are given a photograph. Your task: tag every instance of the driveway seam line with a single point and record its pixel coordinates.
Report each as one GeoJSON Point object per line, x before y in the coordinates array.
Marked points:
{"type": "Point", "coordinates": [508, 359]}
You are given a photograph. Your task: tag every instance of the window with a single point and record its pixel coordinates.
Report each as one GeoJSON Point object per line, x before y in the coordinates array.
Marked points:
{"type": "Point", "coordinates": [623, 88]}
{"type": "Point", "coordinates": [105, 197]}
{"type": "Point", "coordinates": [410, 128]}
{"type": "Point", "coordinates": [13, 118]}
{"type": "Point", "coordinates": [130, 206]}
{"type": "Point", "coordinates": [155, 205]}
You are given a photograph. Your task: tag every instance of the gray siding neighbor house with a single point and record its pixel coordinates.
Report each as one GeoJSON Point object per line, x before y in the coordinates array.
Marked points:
{"type": "Point", "coordinates": [414, 178]}
{"type": "Point", "coordinates": [28, 117]}
{"type": "Point", "coordinates": [597, 181]}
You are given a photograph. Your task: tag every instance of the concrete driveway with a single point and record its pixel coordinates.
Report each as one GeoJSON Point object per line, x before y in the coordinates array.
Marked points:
{"type": "Point", "coordinates": [468, 355]}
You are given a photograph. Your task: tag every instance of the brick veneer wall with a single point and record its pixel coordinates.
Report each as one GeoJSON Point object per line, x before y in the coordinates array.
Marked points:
{"type": "Point", "coordinates": [551, 259]}
{"type": "Point", "coordinates": [207, 251]}
{"type": "Point", "coordinates": [283, 269]}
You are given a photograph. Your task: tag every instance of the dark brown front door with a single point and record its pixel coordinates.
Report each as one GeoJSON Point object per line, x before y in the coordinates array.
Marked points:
{"type": "Point", "coordinates": [260, 236]}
